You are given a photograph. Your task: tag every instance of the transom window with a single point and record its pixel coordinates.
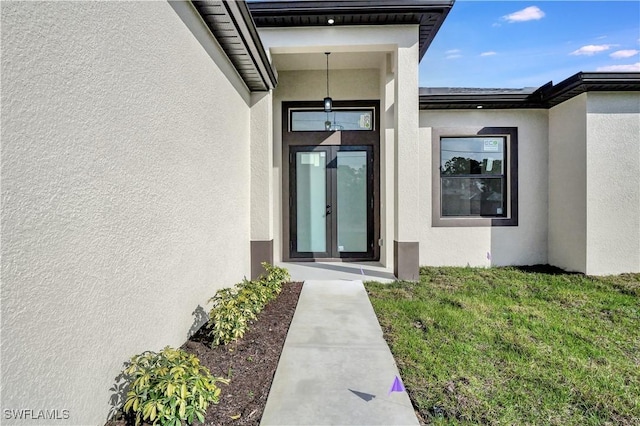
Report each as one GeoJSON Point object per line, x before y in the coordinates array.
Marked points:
{"type": "Point", "coordinates": [475, 177]}
{"type": "Point", "coordinates": [318, 121]}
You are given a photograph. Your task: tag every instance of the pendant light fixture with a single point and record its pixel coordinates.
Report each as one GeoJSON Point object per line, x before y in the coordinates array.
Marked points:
{"type": "Point", "coordinates": [328, 102]}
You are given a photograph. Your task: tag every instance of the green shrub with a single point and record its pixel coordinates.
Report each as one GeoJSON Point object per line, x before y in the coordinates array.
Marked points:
{"type": "Point", "coordinates": [228, 318]}
{"type": "Point", "coordinates": [233, 308]}
{"type": "Point", "coordinates": [253, 297]}
{"type": "Point", "coordinates": [274, 277]}
{"type": "Point", "coordinates": [170, 386]}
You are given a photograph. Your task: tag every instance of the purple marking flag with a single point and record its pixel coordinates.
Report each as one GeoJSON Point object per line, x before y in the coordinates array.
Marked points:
{"type": "Point", "coordinates": [396, 386]}
{"type": "Point", "coordinates": [361, 270]}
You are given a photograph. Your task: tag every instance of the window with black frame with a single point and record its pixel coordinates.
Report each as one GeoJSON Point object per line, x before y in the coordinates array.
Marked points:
{"type": "Point", "coordinates": [473, 176]}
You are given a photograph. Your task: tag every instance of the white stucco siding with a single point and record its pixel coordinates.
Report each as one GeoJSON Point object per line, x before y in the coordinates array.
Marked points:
{"type": "Point", "coordinates": [568, 184]}
{"type": "Point", "coordinates": [125, 193]}
{"type": "Point", "coordinates": [261, 167]}
{"type": "Point", "coordinates": [407, 144]}
{"type": "Point", "coordinates": [387, 160]}
{"type": "Point", "coordinates": [525, 244]}
{"type": "Point", "coordinates": [613, 183]}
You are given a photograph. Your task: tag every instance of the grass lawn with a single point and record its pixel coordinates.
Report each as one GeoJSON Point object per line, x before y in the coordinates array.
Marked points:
{"type": "Point", "coordinates": [506, 346]}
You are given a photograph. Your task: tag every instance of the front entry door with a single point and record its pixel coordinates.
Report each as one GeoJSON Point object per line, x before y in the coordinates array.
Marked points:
{"type": "Point", "coordinates": [332, 205]}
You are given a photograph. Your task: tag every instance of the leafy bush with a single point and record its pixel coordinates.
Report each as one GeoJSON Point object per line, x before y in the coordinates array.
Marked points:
{"type": "Point", "coordinates": [228, 317]}
{"type": "Point", "coordinates": [274, 277]}
{"type": "Point", "coordinates": [233, 308]}
{"type": "Point", "coordinates": [170, 386]}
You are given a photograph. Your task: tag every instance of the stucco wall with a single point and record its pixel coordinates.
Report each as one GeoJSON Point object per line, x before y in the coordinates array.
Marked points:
{"type": "Point", "coordinates": [525, 244]}
{"type": "Point", "coordinates": [125, 193]}
{"type": "Point", "coordinates": [568, 184]}
{"type": "Point", "coordinates": [613, 183]}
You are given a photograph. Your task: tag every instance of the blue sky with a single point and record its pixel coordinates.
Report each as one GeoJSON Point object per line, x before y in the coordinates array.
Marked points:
{"type": "Point", "coordinates": [513, 44]}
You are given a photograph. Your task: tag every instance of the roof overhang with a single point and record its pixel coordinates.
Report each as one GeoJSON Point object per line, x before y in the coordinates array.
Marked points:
{"type": "Point", "coordinates": [544, 97]}
{"type": "Point", "coordinates": [231, 24]}
{"type": "Point", "coordinates": [427, 14]}
{"type": "Point", "coordinates": [591, 82]}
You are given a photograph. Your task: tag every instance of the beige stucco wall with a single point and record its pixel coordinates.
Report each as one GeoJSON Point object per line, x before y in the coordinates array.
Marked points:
{"type": "Point", "coordinates": [407, 144]}
{"type": "Point", "coordinates": [125, 193]}
{"type": "Point", "coordinates": [525, 244]}
{"type": "Point", "coordinates": [613, 183]}
{"type": "Point", "coordinates": [387, 160]}
{"type": "Point", "coordinates": [568, 184]}
{"type": "Point", "coordinates": [261, 166]}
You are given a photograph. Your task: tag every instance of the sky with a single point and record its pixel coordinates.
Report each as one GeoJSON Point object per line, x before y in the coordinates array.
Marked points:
{"type": "Point", "coordinates": [515, 44]}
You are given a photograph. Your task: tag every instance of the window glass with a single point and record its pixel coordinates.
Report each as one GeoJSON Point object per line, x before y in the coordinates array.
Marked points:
{"type": "Point", "coordinates": [472, 176]}
{"type": "Point", "coordinates": [472, 197]}
{"type": "Point", "coordinates": [317, 121]}
{"type": "Point", "coordinates": [472, 156]}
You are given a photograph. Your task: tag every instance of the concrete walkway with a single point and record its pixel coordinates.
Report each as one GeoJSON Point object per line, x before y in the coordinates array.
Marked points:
{"type": "Point", "coordinates": [335, 367]}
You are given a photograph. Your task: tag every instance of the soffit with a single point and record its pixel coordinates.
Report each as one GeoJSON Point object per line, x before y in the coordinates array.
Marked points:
{"type": "Point", "coordinates": [231, 24]}
{"type": "Point", "coordinates": [429, 15]}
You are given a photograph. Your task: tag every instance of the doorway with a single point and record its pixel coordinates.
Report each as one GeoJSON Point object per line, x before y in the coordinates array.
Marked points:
{"type": "Point", "coordinates": [331, 212]}
{"type": "Point", "coordinates": [333, 209]}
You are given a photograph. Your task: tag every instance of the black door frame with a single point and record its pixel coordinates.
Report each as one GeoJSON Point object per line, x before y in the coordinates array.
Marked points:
{"type": "Point", "coordinates": [329, 138]}
{"type": "Point", "coordinates": [331, 202]}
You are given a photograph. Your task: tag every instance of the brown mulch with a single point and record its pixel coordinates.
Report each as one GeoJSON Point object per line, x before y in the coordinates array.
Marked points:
{"type": "Point", "coordinates": [250, 363]}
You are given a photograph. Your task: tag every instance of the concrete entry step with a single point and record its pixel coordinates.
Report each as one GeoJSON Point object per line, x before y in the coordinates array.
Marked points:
{"type": "Point", "coordinates": [334, 271]}
{"type": "Point", "coordinates": [335, 367]}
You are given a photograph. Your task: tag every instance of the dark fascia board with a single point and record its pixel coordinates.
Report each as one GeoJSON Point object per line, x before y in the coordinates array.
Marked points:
{"type": "Point", "coordinates": [267, 70]}
{"type": "Point", "coordinates": [295, 12]}
{"type": "Point", "coordinates": [544, 97]}
{"type": "Point", "coordinates": [591, 82]}
{"type": "Point", "coordinates": [257, 73]}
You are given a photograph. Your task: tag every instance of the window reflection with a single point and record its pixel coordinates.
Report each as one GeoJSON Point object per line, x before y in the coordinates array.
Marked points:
{"type": "Point", "coordinates": [316, 121]}
{"type": "Point", "coordinates": [472, 176]}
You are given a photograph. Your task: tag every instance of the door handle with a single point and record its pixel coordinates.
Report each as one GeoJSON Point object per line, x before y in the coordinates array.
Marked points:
{"type": "Point", "coordinates": [328, 210]}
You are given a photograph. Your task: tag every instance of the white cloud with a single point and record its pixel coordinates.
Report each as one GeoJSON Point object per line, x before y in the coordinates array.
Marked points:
{"type": "Point", "coordinates": [490, 53]}
{"type": "Point", "coordinates": [591, 49]}
{"type": "Point", "coordinates": [621, 68]}
{"type": "Point", "coordinates": [531, 13]}
{"type": "Point", "coordinates": [453, 54]}
{"type": "Point", "coordinates": [621, 54]}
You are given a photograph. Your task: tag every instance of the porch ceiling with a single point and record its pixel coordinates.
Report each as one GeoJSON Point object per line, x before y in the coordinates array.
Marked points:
{"type": "Point", "coordinates": [428, 14]}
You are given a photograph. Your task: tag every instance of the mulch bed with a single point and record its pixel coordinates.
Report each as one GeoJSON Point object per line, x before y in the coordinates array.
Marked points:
{"type": "Point", "coordinates": [250, 363]}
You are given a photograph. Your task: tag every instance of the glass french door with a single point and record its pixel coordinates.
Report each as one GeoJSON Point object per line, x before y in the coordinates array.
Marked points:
{"type": "Point", "coordinates": [331, 206]}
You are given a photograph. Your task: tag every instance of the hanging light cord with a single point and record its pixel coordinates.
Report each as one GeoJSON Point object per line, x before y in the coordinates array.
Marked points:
{"type": "Point", "coordinates": [327, 53]}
